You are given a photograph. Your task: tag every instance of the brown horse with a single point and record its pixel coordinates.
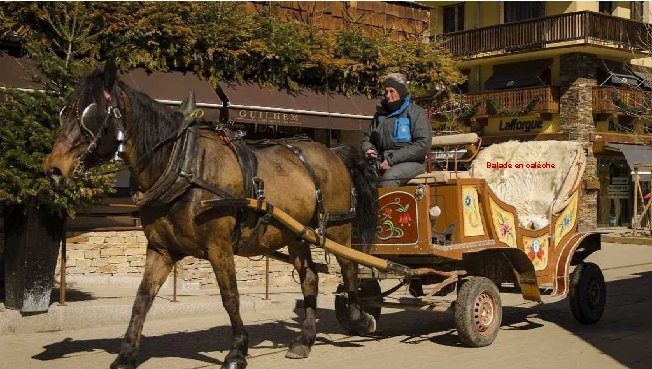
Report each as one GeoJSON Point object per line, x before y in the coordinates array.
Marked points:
{"type": "Point", "coordinates": [177, 225]}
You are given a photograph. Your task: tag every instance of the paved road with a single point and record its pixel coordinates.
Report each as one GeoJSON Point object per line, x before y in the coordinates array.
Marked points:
{"type": "Point", "coordinates": [544, 336]}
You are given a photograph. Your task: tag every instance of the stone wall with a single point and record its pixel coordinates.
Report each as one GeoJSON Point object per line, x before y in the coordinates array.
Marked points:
{"type": "Point", "coordinates": [118, 257]}
{"type": "Point", "coordinates": [578, 76]}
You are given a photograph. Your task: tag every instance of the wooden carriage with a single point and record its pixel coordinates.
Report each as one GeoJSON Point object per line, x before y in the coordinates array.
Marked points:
{"type": "Point", "coordinates": [453, 224]}
{"type": "Point", "coordinates": [454, 240]}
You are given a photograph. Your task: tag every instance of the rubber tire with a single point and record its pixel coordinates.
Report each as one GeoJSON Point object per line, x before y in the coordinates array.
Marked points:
{"type": "Point", "coordinates": [465, 307]}
{"type": "Point", "coordinates": [588, 293]}
{"type": "Point", "coordinates": [366, 288]}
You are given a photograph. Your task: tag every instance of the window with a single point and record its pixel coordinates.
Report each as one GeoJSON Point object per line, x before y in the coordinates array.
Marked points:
{"type": "Point", "coordinates": [454, 18]}
{"type": "Point", "coordinates": [606, 7]}
{"type": "Point", "coordinates": [522, 10]}
{"type": "Point", "coordinates": [637, 10]}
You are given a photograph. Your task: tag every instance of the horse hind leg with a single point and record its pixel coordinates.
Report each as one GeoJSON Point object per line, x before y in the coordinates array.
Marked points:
{"type": "Point", "coordinates": [359, 321]}
{"type": "Point", "coordinates": [302, 261]}
{"type": "Point", "coordinates": [157, 269]}
{"type": "Point", "coordinates": [222, 260]}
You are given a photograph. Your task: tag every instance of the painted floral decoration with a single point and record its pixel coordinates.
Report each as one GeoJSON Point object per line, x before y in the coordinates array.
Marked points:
{"type": "Point", "coordinates": [467, 200]}
{"type": "Point", "coordinates": [505, 230]}
{"type": "Point", "coordinates": [566, 221]}
{"type": "Point", "coordinates": [536, 251]}
{"type": "Point", "coordinates": [389, 226]}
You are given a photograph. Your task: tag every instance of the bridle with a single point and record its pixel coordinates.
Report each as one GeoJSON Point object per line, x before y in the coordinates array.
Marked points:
{"type": "Point", "coordinates": [114, 112]}
{"type": "Point", "coordinates": [95, 137]}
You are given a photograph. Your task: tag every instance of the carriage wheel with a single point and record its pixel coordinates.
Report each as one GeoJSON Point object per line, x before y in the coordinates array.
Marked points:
{"type": "Point", "coordinates": [588, 293]}
{"type": "Point", "coordinates": [367, 289]}
{"type": "Point", "coordinates": [478, 312]}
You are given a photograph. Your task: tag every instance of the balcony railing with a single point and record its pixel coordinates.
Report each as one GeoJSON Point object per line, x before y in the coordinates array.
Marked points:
{"type": "Point", "coordinates": [515, 99]}
{"type": "Point", "coordinates": [604, 100]}
{"type": "Point", "coordinates": [539, 33]}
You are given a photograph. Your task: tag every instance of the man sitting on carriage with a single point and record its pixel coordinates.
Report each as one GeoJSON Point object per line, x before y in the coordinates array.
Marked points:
{"type": "Point", "coordinates": [399, 136]}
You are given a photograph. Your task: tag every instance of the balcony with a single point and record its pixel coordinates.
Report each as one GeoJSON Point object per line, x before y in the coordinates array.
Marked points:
{"type": "Point", "coordinates": [515, 99]}
{"type": "Point", "coordinates": [604, 100]}
{"type": "Point", "coordinates": [581, 28]}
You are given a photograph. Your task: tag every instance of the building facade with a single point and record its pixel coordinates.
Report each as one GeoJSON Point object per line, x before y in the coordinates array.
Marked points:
{"type": "Point", "coordinates": [571, 70]}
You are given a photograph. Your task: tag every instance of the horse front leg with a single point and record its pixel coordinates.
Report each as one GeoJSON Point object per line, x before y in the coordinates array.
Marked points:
{"type": "Point", "coordinates": [302, 261]}
{"type": "Point", "coordinates": [222, 260]}
{"type": "Point", "coordinates": [157, 269]}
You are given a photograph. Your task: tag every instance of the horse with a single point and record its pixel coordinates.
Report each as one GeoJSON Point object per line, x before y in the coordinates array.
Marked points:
{"type": "Point", "coordinates": [104, 115]}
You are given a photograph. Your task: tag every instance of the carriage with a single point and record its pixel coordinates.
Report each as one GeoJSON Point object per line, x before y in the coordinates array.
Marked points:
{"type": "Point", "coordinates": [450, 236]}
{"type": "Point", "coordinates": [483, 222]}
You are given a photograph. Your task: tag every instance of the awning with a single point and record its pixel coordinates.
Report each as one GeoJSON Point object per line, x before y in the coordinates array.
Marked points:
{"type": "Point", "coordinates": [618, 73]}
{"type": "Point", "coordinates": [521, 74]}
{"type": "Point", "coordinates": [645, 79]}
{"type": "Point", "coordinates": [250, 103]}
{"type": "Point", "coordinates": [635, 154]}
{"type": "Point", "coordinates": [172, 87]}
{"type": "Point", "coordinates": [253, 104]}
{"type": "Point", "coordinates": [16, 72]}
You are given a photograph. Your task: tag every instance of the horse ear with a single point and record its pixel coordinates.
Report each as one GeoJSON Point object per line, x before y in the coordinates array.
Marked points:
{"type": "Point", "coordinates": [110, 72]}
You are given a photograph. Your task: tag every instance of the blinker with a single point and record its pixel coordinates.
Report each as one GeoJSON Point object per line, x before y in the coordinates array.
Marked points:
{"type": "Point", "coordinates": [89, 111]}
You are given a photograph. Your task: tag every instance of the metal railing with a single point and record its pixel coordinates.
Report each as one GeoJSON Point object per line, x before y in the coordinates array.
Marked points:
{"type": "Point", "coordinates": [538, 33]}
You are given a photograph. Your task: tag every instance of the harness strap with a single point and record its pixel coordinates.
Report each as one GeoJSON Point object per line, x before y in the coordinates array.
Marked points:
{"type": "Point", "coordinates": [323, 216]}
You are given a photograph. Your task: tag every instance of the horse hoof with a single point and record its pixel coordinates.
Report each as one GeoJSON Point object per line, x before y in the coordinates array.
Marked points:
{"type": "Point", "coordinates": [298, 351]}
{"type": "Point", "coordinates": [115, 365]}
{"type": "Point", "coordinates": [366, 325]}
{"type": "Point", "coordinates": [235, 364]}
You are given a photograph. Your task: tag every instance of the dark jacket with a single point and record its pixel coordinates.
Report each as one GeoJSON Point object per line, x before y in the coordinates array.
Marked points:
{"type": "Point", "coordinates": [380, 135]}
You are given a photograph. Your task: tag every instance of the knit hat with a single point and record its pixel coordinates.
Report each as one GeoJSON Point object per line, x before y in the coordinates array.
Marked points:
{"type": "Point", "coordinates": [397, 81]}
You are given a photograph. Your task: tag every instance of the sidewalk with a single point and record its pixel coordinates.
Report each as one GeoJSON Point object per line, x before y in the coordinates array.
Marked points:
{"type": "Point", "coordinates": [92, 306]}
{"type": "Point", "coordinates": [625, 235]}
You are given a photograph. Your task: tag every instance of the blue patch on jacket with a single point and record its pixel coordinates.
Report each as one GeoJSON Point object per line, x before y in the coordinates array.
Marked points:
{"type": "Point", "coordinates": [402, 131]}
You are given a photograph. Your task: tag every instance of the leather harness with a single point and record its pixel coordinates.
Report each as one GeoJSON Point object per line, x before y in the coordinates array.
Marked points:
{"type": "Point", "coordinates": [182, 172]}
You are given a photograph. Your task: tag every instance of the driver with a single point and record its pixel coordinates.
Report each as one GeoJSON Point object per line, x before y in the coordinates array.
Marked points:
{"type": "Point", "coordinates": [399, 136]}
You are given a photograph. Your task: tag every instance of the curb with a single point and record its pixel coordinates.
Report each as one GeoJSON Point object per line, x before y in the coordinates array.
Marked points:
{"type": "Point", "coordinates": [646, 241]}
{"type": "Point", "coordinates": [107, 311]}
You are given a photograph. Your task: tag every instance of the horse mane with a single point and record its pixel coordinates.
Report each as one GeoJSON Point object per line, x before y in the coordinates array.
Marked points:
{"type": "Point", "coordinates": [151, 123]}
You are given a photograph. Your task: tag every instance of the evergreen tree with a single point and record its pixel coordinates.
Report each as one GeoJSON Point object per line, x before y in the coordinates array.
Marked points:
{"type": "Point", "coordinates": [59, 40]}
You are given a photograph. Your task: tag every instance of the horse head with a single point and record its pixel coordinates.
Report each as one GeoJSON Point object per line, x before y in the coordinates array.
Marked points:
{"type": "Point", "coordinates": [90, 122]}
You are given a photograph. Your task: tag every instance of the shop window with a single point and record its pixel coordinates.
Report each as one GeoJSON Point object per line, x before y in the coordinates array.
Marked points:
{"type": "Point", "coordinates": [606, 7]}
{"type": "Point", "coordinates": [454, 18]}
{"type": "Point", "coordinates": [522, 10]}
{"type": "Point", "coordinates": [637, 10]}
{"type": "Point", "coordinates": [464, 87]}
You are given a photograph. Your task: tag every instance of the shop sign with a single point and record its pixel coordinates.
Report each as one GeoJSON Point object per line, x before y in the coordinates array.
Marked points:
{"type": "Point", "coordinates": [620, 180]}
{"type": "Point", "coordinates": [638, 126]}
{"type": "Point", "coordinates": [449, 155]}
{"type": "Point", "coordinates": [447, 127]}
{"type": "Point", "coordinates": [267, 117]}
{"type": "Point", "coordinates": [618, 191]}
{"type": "Point", "coordinates": [501, 126]}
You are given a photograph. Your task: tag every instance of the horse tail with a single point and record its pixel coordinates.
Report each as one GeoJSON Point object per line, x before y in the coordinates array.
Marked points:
{"type": "Point", "coordinates": [365, 181]}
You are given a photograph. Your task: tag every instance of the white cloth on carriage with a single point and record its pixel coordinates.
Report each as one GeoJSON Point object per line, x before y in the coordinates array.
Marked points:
{"type": "Point", "coordinates": [537, 192]}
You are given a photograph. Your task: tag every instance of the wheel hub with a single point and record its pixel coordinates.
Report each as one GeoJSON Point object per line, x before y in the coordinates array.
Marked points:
{"type": "Point", "coordinates": [593, 293]}
{"type": "Point", "coordinates": [484, 309]}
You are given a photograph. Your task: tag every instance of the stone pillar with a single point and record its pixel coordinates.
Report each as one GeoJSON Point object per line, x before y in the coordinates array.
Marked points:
{"type": "Point", "coordinates": [577, 78]}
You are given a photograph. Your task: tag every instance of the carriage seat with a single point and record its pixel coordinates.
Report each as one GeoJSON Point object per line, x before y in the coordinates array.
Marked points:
{"type": "Point", "coordinates": [455, 140]}
{"type": "Point", "coordinates": [440, 176]}
{"type": "Point", "coordinates": [443, 176]}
